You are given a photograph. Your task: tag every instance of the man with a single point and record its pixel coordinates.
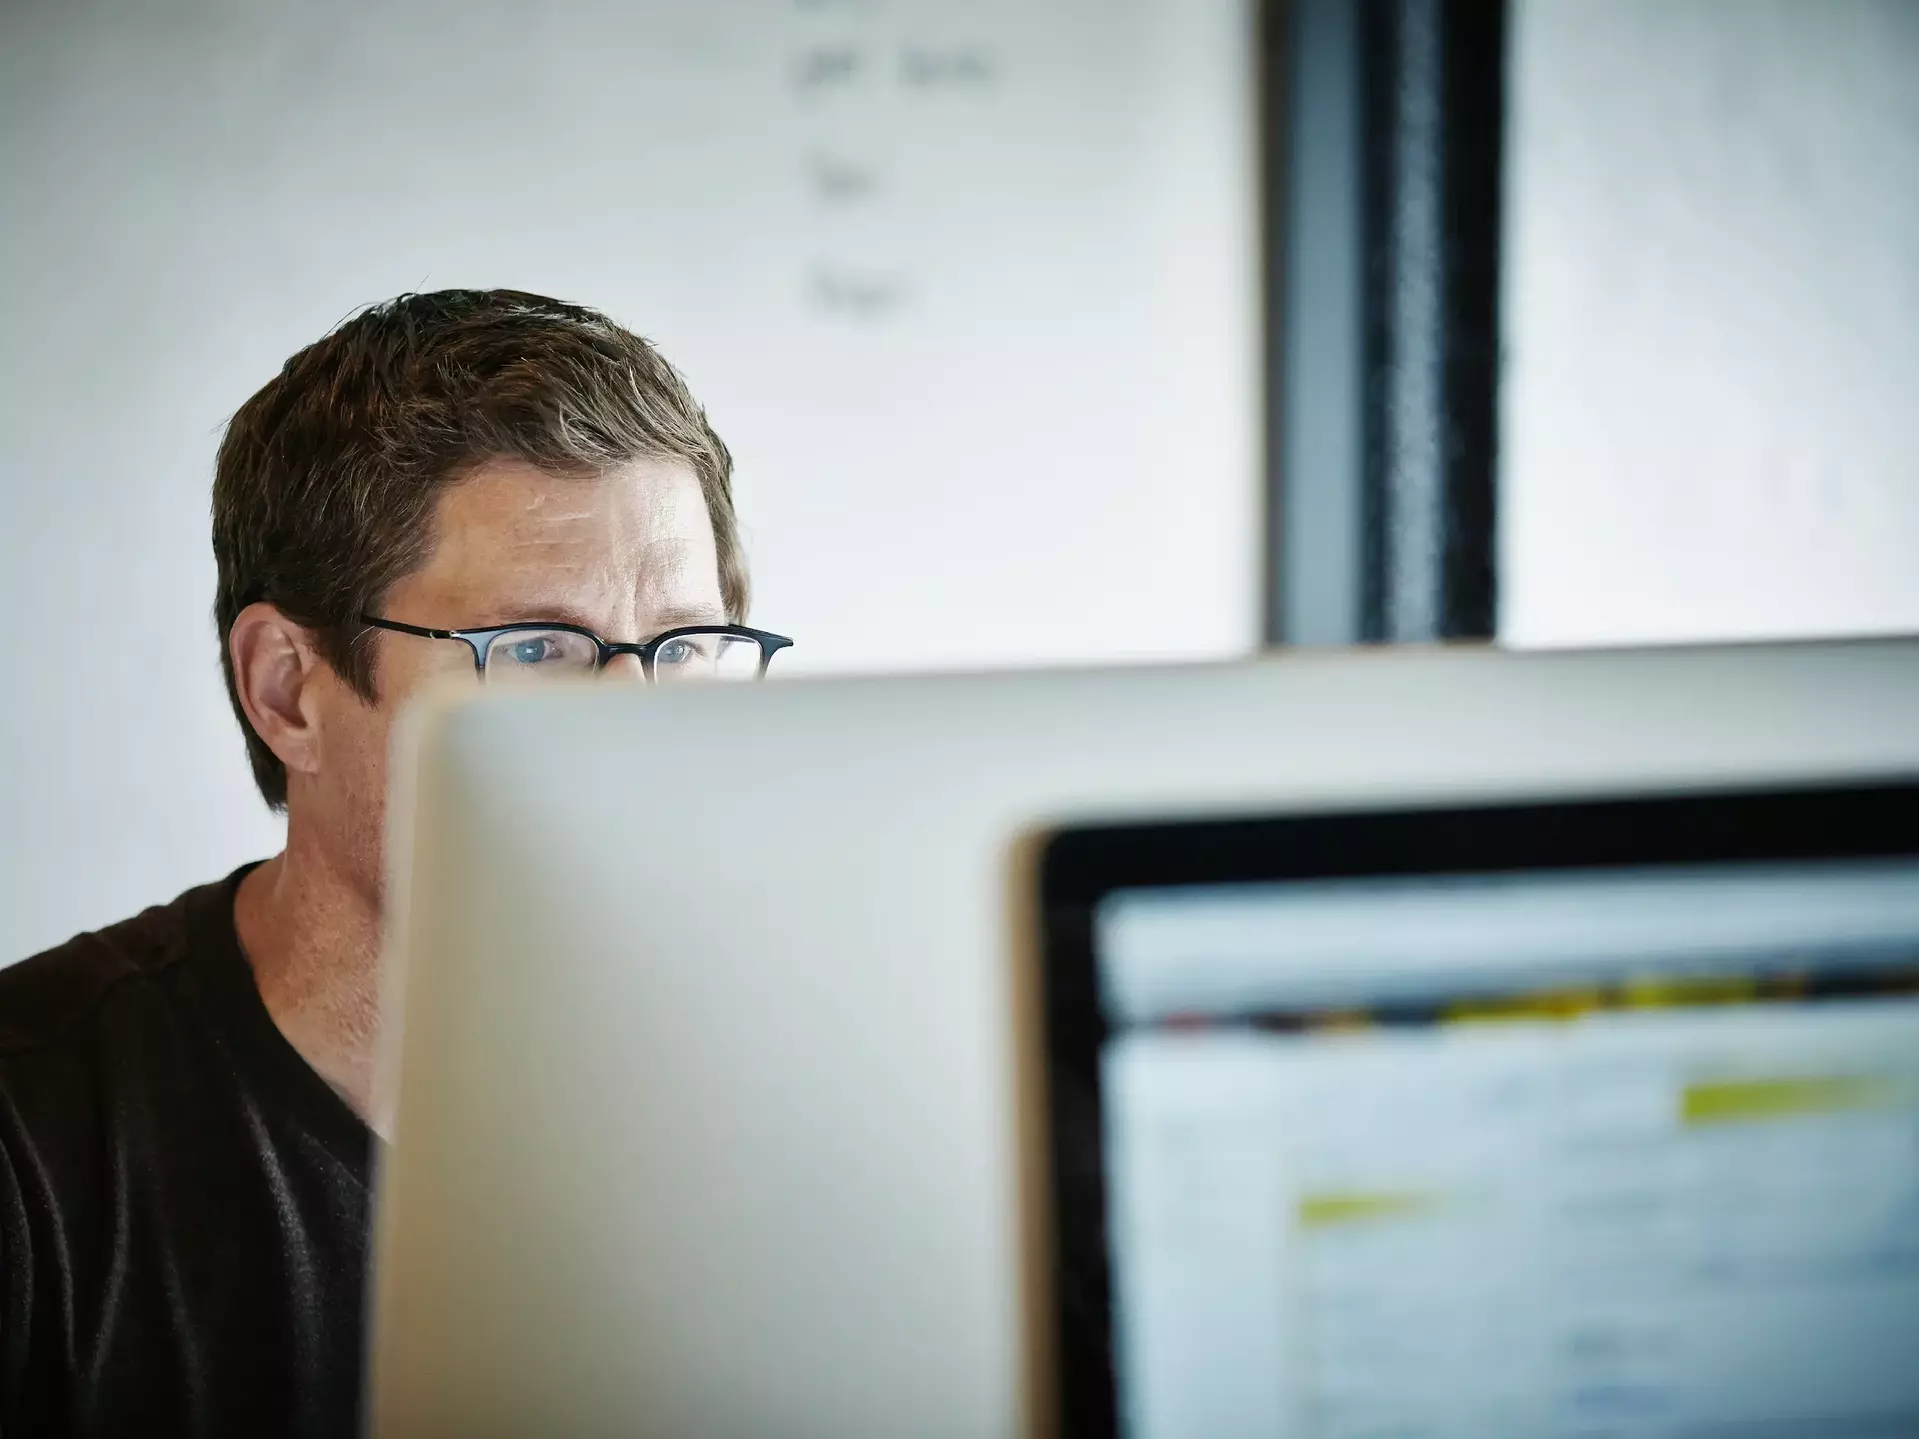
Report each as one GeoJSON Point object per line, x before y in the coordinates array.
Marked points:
{"type": "Point", "coordinates": [186, 1123]}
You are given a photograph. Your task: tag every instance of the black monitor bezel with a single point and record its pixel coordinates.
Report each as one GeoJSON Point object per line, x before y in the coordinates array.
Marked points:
{"type": "Point", "coordinates": [1079, 866]}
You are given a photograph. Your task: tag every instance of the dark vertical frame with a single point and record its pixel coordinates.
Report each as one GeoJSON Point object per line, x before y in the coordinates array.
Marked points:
{"type": "Point", "coordinates": [1384, 181]}
{"type": "Point", "coordinates": [1402, 484]}
{"type": "Point", "coordinates": [1434, 111]}
{"type": "Point", "coordinates": [1474, 39]}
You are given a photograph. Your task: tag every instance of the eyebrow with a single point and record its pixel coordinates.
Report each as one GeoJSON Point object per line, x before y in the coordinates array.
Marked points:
{"type": "Point", "coordinates": [676, 616]}
{"type": "Point", "coordinates": [673, 618]}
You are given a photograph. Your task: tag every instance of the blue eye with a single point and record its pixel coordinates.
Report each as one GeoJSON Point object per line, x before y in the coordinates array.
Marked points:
{"type": "Point", "coordinates": [535, 650]}
{"type": "Point", "coordinates": [677, 652]}
{"type": "Point", "coordinates": [541, 654]}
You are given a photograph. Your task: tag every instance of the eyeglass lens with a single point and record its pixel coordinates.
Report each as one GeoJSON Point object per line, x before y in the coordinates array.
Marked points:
{"type": "Point", "coordinates": [533, 655]}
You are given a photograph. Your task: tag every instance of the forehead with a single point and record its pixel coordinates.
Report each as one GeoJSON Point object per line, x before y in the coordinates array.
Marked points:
{"type": "Point", "coordinates": [512, 503]}
{"type": "Point", "coordinates": [511, 538]}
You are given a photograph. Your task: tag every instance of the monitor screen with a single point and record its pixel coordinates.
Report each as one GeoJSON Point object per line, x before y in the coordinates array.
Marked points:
{"type": "Point", "coordinates": [1610, 1150]}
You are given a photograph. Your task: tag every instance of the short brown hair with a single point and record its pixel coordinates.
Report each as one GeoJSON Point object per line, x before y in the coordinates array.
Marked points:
{"type": "Point", "coordinates": [324, 489]}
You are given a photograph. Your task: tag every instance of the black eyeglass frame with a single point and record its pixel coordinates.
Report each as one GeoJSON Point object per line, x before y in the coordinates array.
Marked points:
{"type": "Point", "coordinates": [479, 641]}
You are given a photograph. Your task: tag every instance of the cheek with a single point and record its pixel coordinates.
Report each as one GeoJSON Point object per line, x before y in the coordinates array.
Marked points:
{"type": "Point", "coordinates": [347, 806]}
{"type": "Point", "coordinates": [354, 736]}
{"type": "Point", "coordinates": [356, 733]}
{"type": "Point", "coordinates": [402, 670]}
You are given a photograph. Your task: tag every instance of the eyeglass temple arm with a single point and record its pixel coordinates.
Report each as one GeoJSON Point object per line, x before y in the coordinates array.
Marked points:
{"type": "Point", "coordinates": [407, 629]}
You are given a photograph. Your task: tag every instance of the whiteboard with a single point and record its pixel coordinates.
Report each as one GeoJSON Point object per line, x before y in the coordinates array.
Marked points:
{"type": "Point", "coordinates": [1002, 374]}
{"type": "Point", "coordinates": [1711, 315]}
{"type": "Point", "coordinates": [970, 287]}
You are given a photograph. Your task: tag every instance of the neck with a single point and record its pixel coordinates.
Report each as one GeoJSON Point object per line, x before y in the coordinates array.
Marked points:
{"type": "Point", "coordinates": [312, 937]}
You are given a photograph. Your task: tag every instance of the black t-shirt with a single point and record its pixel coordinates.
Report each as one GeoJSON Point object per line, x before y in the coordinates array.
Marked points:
{"type": "Point", "coordinates": [184, 1202]}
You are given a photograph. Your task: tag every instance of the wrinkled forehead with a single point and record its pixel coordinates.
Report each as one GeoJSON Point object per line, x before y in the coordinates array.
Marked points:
{"type": "Point", "coordinates": [624, 552]}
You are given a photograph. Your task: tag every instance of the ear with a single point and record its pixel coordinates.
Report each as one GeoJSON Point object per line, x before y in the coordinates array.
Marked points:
{"type": "Point", "coordinates": [274, 661]}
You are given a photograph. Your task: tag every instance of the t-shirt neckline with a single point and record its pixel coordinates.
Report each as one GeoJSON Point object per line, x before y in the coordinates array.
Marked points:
{"type": "Point", "coordinates": [272, 1064]}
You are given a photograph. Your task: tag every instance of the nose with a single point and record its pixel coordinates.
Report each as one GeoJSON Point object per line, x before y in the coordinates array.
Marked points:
{"type": "Point", "coordinates": [624, 667]}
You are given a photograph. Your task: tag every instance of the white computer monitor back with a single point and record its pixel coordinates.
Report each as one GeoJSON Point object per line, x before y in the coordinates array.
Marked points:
{"type": "Point", "coordinates": [717, 1110]}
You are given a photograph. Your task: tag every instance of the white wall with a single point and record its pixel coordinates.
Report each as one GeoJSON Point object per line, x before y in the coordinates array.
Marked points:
{"type": "Point", "coordinates": [1711, 408]}
{"type": "Point", "coordinates": [996, 406]}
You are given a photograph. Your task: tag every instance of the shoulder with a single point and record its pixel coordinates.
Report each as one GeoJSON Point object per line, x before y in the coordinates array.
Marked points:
{"type": "Point", "coordinates": [45, 999]}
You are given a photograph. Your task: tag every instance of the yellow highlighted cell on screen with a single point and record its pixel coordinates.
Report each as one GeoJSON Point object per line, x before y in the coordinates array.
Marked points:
{"type": "Point", "coordinates": [1747, 1101]}
{"type": "Point", "coordinates": [1556, 1004]}
{"type": "Point", "coordinates": [1685, 992]}
{"type": "Point", "coordinates": [1322, 1211]}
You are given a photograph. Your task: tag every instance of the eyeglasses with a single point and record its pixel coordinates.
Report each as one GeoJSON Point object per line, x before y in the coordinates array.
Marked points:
{"type": "Point", "coordinates": [535, 651]}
